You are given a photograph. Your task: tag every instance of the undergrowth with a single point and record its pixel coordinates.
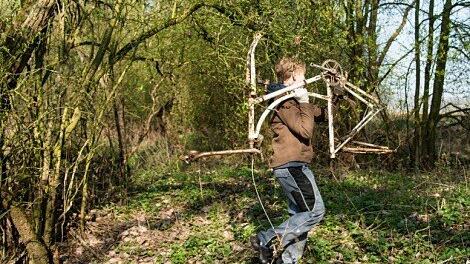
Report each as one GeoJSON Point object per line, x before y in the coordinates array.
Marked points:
{"type": "Point", "coordinates": [372, 216]}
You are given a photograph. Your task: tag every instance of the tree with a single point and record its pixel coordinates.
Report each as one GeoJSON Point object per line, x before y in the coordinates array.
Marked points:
{"type": "Point", "coordinates": [417, 125]}
{"type": "Point", "coordinates": [430, 135]}
{"type": "Point", "coordinates": [429, 60]}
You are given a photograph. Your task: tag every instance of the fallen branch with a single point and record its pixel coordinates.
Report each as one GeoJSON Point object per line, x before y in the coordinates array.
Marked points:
{"type": "Point", "coordinates": [362, 150]}
{"type": "Point", "coordinates": [194, 155]}
{"type": "Point", "coordinates": [370, 145]}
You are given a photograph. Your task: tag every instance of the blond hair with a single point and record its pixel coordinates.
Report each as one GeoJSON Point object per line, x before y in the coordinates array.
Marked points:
{"type": "Point", "coordinates": [287, 67]}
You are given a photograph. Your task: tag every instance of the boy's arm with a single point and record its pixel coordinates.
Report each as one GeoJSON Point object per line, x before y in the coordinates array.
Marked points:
{"type": "Point", "coordinates": [297, 117]}
{"type": "Point", "coordinates": [321, 113]}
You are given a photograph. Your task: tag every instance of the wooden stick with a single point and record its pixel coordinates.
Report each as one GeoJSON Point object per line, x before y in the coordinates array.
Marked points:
{"type": "Point", "coordinates": [369, 144]}
{"type": "Point", "coordinates": [366, 118]}
{"type": "Point", "coordinates": [367, 150]}
{"type": "Point", "coordinates": [194, 155]}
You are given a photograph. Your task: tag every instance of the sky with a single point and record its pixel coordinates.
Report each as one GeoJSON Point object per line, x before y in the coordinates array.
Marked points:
{"type": "Point", "coordinates": [457, 84]}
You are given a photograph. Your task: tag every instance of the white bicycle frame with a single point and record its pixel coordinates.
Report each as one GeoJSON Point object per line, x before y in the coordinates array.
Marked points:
{"type": "Point", "coordinates": [371, 102]}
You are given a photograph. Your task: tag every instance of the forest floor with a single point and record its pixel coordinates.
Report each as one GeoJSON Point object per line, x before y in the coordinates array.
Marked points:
{"type": "Point", "coordinates": [208, 217]}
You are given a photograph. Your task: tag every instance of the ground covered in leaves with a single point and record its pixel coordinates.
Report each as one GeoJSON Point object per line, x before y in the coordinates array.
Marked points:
{"type": "Point", "coordinates": [207, 216]}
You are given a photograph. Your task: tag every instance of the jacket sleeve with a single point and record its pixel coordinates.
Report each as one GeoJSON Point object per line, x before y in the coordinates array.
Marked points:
{"type": "Point", "coordinates": [320, 114]}
{"type": "Point", "coordinates": [297, 117]}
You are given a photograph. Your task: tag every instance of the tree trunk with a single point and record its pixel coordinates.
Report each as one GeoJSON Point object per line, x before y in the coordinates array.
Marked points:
{"type": "Point", "coordinates": [53, 183]}
{"type": "Point", "coordinates": [373, 52]}
{"type": "Point", "coordinates": [427, 68]}
{"type": "Point", "coordinates": [356, 41]}
{"type": "Point", "coordinates": [3, 161]}
{"type": "Point", "coordinates": [438, 86]}
{"type": "Point", "coordinates": [43, 191]}
{"type": "Point", "coordinates": [3, 186]}
{"type": "Point", "coordinates": [122, 153]}
{"type": "Point", "coordinates": [21, 42]}
{"type": "Point", "coordinates": [417, 126]}
{"type": "Point", "coordinates": [35, 247]}
{"type": "Point", "coordinates": [54, 180]}
{"type": "Point", "coordinates": [84, 202]}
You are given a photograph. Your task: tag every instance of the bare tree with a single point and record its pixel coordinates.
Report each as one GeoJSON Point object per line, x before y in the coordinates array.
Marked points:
{"type": "Point", "coordinates": [430, 136]}
{"type": "Point", "coordinates": [417, 125]}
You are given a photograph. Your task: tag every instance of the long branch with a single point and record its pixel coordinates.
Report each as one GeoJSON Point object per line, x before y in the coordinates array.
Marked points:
{"type": "Point", "coordinates": [193, 155]}
{"type": "Point", "coordinates": [153, 31]}
{"type": "Point", "coordinates": [394, 35]}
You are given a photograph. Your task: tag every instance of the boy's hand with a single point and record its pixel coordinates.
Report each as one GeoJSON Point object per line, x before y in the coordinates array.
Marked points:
{"type": "Point", "coordinates": [301, 95]}
{"type": "Point", "coordinates": [336, 98]}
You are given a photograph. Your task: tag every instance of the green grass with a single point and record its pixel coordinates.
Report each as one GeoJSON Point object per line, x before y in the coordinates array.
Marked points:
{"type": "Point", "coordinates": [372, 216]}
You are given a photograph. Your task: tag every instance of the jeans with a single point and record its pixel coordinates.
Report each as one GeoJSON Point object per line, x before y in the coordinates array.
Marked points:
{"type": "Point", "coordinates": [306, 209]}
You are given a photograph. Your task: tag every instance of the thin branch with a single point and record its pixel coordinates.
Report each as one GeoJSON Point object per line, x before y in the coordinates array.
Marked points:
{"type": "Point", "coordinates": [86, 43]}
{"type": "Point", "coordinates": [465, 111]}
{"type": "Point", "coordinates": [464, 4]}
{"type": "Point", "coordinates": [461, 52]}
{"type": "Point", "coordinates": [394, 35]}
{"type": "Point", "coordinates": [153, 31]}
{"type": "Point", "coordinates": [393, 66]}
{"type": "Point", "coordinates": [450, 104]}
{"type": "Point", "coordinates": [396, 3]}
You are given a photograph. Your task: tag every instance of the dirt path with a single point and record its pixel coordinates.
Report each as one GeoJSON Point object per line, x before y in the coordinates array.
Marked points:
{"type": "Point", "coordinates": [174, 224]}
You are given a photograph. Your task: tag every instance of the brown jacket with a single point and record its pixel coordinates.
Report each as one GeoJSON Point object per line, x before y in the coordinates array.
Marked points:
{"type": "Point", "coordinates": [292, 124]}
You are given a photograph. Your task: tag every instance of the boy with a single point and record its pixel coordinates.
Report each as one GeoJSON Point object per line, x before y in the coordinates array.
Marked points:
{"type": "Point", "coordinates": [292, 124]}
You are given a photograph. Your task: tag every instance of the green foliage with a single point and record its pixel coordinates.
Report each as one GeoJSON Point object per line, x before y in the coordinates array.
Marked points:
{"type": "Point", "coordinates": [171, 81]}
{"type": "Point", "coordinates": [210, 111]}
{"type": "Point", "coordinates": [372, 216]}
{"type": "Point", "coordinates": [212, 250]}
{"type": "Point", "coordinates": [8, 9]}
{"type": "Point", "coordinates": [389, 218]}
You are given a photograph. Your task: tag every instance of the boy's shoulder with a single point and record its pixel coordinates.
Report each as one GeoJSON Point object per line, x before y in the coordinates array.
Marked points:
{"type": "Point", "coordinates": [289, 103]}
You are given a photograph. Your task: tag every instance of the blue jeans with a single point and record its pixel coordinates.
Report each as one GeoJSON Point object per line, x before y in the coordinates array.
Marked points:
{"type": "Point", "coordinates": [306, 209]}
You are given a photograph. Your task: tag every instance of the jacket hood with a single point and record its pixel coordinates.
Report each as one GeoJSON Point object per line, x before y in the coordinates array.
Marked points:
{"type": "Point", "coordinates": [273, 87]}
